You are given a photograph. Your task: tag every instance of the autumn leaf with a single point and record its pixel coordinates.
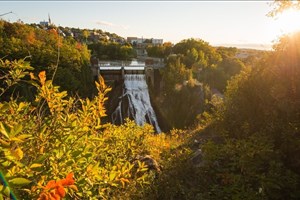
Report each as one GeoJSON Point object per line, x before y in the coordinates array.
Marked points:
{"type": "Point", "coordinates": [42, 76]}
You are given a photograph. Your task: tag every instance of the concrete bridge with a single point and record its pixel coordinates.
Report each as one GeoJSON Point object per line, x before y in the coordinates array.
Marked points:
{"type": "Point", "coordinates": [115, 71]}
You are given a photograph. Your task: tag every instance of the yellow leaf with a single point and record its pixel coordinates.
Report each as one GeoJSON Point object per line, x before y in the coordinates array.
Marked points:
{"type": "Point", "coordinates": [35, 165]}
{"type": "Point", "coordinates": [74, 187]}
{"type": "Point", "coordinates": [42, 149]}
{"type": "Point", "coordinates": [123, 181]}
{"type": "Point", "coordinates": [31, 76]}
{"type": "Point", "coordinates": [4, 143]}
{"type": "Point", "coordinates": [18, 153]}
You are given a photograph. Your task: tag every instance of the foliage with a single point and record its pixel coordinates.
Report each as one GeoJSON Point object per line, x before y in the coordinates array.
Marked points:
{"type": "Point", "coordinates": [197, 51]}
{"type": "Point", "coordinates": [58, 136]}
{"type": "Point", "coordinates": [191, 77]}
{"type": "Point", "coordinates": [187, 95]}
{"type": "Point", "coordinates": [258, 126]}
{"type": "Point", "coordinates": [280, 6]}
{"type": "Point", "coordinates": [160, 51]}
{"type": "Point", "coordinates": [112, 51]}
{"type": "Point", "coordinates": [11, 73]}
{"type": "Point", "coordinates": [250, 145]}
{"type": "Point", "coordinates": [174, 74]}
{"type": "Point", "coordinates": [56, 189]}
{"type": "Point", "coordinates": [48, 48]}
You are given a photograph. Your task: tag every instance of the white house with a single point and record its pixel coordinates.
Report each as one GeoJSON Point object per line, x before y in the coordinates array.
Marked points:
{"type": "Point", "coordinates": [157, 41]}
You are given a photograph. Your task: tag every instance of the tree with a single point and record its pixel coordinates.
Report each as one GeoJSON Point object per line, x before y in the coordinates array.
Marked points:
{"type": "Point", "coordinates": [280, 6]}
{"type": "Point", "coordinates": [174, 74]}
{"type": "Point", "coordinates": [259, 126]}
{"type": "Point", "coordinates": [112, 51]}
{"type": "Point", "coordinates": [209, 53]}
{"type": "Point", "coordinates": [85, 34]}
{"type": "Point", "coordinates": [43, 48]}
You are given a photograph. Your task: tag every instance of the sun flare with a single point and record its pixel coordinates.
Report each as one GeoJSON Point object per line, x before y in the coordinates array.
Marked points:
{"type": "Point", "coordinates": [287, 22]}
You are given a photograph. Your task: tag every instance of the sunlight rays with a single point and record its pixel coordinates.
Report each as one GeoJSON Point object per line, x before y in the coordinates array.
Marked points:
{"type": "Point", "coordinates": [287, 22]}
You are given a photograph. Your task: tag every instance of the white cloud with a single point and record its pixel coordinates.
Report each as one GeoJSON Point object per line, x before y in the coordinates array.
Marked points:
{"type": "Point", "coordinates": [105, 23]}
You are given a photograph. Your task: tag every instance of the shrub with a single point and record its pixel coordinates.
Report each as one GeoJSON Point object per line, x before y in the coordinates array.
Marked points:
{"type": "Point", "coordinates": [45, 140]}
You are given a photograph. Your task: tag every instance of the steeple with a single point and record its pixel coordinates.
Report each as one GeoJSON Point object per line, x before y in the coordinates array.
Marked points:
{"type": "Point", "coordinates": [49, 19]}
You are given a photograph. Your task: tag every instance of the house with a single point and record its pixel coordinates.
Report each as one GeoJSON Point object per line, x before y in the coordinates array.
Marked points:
{"type": "Point", "coordinates": [132, 40]}
{"type": "Point", "coordinates": [157, 41]}
{"type": "Point", "coordinates": [140, 41]}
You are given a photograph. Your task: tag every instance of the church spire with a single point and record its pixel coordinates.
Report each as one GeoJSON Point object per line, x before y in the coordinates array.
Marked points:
{"type": "Point", "coordinates": [49, 19]}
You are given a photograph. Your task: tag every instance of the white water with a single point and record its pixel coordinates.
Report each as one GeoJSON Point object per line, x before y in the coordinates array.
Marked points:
{"type": "Point", "coordinates": [139, 106]}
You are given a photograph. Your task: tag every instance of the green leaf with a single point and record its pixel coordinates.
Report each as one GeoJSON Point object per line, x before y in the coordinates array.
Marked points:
{"type": "Point", "coordinates": [33, 83]}
{"type": "Point", "coordinates": [6, 191]}
{"type": "Point", "coordinates": [76, 153]}
{"type": "Point", "coordinates": [4, 106]}
{"type": "Point", "coordinates": [4, 129]}
{"type": "Point", "coordinates": [87, 155]}
{"type": "Point", "coordinates": [17, 129]}
{"type": "Point", "coordinates": [20, 181]}
{"type": "Point", "coordinates": [70, 162]}
{"type": "Point", "coordinates": [42, 158]}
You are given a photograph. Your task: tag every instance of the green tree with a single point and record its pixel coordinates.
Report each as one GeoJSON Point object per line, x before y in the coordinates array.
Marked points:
{"type": "Point", "coordinates": [259, 126]}
{"type": "Point", "coordinates": [85, 34]}
{"type": "Point", "coordinates": [112, 51]}
{"type": "Point", "coordinates": [47, 50]}
{"type": "Point", "coordinates": [209, 53]}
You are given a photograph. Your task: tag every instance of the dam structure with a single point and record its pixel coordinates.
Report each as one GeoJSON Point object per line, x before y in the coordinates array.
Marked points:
{"type": "Point", "coordinates": [134, 102]}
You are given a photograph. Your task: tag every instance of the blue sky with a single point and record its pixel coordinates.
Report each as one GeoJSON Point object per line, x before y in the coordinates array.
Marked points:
{"type": "Point", "coordinates": [217, 22]}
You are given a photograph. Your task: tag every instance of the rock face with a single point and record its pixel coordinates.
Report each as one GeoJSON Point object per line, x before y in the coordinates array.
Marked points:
{"type": "Point", "coordinates": [197, 158]}
{"type": "Point", "coordinates": [180, 108]}
{"type": "Point", "coordinates": [150, 162]}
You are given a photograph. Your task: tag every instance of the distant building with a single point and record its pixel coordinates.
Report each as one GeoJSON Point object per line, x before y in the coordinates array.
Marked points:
{"type": "Point", "coordinates": [46, 23]}
{"type": "Point", "coordinates": [61, 33]}
{"type": "Point", "coordinates": [70, 33]}
{"type": "Point", "coordinates": [132, 40]}
{"type": "Point", "coordinates": [139, 41]}
{"type": "Point", "coordinates": [242, 54]}
{"type": "Point", "coordinates": [157, 41]}
{"type": "Point", "coordinates": [141, 44]}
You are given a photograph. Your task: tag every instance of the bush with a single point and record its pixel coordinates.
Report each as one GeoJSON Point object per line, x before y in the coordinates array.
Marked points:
{"type": "Point", "coordinates": [55, 136]}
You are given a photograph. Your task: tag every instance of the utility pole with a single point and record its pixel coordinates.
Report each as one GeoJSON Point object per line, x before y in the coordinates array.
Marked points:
{"type": "Point", "coordinates": [6, 13]}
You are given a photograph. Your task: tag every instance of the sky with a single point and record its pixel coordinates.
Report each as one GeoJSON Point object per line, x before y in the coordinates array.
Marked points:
{"type": "Point", "coordinates": [230, 23]}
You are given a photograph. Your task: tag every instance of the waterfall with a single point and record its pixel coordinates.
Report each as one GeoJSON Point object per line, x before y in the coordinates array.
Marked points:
{"type": "Point", "coordinates": [135, 102]}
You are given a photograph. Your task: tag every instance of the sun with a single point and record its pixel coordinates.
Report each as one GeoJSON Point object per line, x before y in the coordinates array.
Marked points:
{"type": "Point", "coordinates": [287, 22]}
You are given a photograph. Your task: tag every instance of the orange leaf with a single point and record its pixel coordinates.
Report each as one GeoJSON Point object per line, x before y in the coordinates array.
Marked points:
{"type": "Point", "coordinates": [50, 184]}
{"type": "Point", "coordinates": [70, 179]}
{"type": "Point", "coordinates": [54, 196]}
{"type": "Point", "coordinates": [43, 196]}
{"type": "Point", "coordinates": [42, 76]}
{"type": "Point", "coordinates": [61, 191]}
